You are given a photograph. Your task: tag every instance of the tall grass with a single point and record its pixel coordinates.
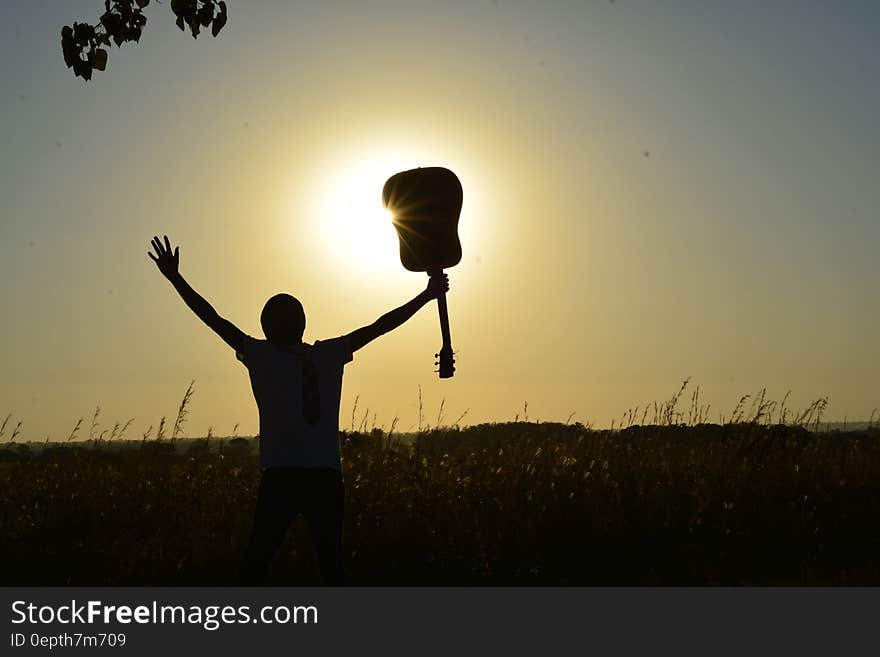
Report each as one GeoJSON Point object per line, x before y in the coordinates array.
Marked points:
{"type": "Point", "coordinates": [749, 409]}
{"type": "Point", "coordinates": [664, 497]}
{"type": "Point", "coordinates": [182, 411]}
{"type": "Point", "coordinates": [514, 503]}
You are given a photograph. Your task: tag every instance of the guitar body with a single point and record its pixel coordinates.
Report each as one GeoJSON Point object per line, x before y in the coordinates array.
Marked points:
{"type": "Point", "coordinates": [425, 204]}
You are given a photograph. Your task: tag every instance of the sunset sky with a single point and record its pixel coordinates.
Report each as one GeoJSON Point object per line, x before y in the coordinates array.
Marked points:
{"type": "Point", "coordinates": [652, 191]}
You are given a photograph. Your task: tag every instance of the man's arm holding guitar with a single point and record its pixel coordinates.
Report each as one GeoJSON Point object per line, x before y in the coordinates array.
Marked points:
{"type": "Point", "coordinates": [437, 285]}
{"type": "Point", "coordinates": [168, 261]}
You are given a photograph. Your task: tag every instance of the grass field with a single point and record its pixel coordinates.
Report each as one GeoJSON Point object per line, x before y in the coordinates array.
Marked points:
{"type": "Point", "coordinates": [515, 503]}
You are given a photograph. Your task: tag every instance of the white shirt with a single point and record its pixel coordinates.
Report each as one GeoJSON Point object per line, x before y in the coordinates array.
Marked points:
{"type": "Point", "coordinates": [276, 373]}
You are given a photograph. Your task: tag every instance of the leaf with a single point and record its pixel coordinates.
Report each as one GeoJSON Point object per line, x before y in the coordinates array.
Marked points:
{"type": "Point", "coordinates": [180, 23]}
{"type": "Point", "coordinates": [100, 60]}
{"type": "Point", "coordinates": [217, 25]}
{"type": "Point", "coordinates": [219, 19]}
{"type": "Point", "coordinates": [132, 33]}
{"type": "Point", "coordinates": [83, 69]}
{"type": "Point", "coordinates": [142, 3]}
{"type": "Point", "coordinates": [68, 47]}
{"type": "Point", "coordinates": [206, 14]}
{"type": "Point", "coordinates": [110, 21]}
{"type": "Point", "coordinates": [83, 32]}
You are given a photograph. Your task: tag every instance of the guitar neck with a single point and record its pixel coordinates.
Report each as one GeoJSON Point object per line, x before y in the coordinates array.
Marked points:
{"type": "Point", "coordinates": [444, 315]}
{"type": "Point", "coordinates": [446, 361]}
{"type": "Point", "coordinates": [444, 321]}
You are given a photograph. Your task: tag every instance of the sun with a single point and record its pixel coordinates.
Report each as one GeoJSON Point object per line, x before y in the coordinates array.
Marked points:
{"type": "Point", "coordinates": [351, 227]}
{"type": "Point", "coordinates": [352, 220]}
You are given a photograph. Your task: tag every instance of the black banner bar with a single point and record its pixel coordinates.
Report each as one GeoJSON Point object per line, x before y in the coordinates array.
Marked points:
{"type": "Point", "coordinates": [415, 621]}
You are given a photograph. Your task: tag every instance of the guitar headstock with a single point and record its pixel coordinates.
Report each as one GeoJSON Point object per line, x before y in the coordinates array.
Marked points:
{"type": "Point", "coordinates": [446, 363]}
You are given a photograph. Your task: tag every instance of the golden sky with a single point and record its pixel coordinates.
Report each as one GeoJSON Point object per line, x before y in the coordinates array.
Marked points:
{"type": "Point", "coordinates": [649, 194]}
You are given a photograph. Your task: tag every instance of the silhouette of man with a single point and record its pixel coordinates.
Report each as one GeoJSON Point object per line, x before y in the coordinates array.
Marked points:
{"type": "Point", "coordinates": [297, 388]}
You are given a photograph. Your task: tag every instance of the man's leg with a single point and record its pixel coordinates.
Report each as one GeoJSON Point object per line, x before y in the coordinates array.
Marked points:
{"type": "Point", "coordinates": [324, 514]}
{"type": "Point", "coordinates": [272, 517]}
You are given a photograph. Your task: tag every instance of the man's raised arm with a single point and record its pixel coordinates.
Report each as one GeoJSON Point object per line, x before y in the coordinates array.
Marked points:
{"type": "Point", "coordinates": [437, 285]}
{"type": "Point", "coordinates": [168, 262]}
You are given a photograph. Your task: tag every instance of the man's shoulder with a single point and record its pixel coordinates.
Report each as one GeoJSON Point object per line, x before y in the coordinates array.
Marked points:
{"type": "Point", "coordinates": [331, 343]}
{"type": "Point", "coordinates": [335, 348]}
{"type": "Point", "coordinates": [251, 347]}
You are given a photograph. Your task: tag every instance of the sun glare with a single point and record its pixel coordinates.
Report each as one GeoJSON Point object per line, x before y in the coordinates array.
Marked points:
{"type": "Point", "coordinates": [348, 219]}
{"type": "Point", "coordinates": [353, 221]}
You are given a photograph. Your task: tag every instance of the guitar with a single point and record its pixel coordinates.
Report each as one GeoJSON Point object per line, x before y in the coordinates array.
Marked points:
{"type": "Point", "coordinates": [425, 205]}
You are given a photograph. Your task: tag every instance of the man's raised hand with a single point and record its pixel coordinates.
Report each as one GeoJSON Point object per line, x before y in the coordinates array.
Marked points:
{"type": "Point", "coordinates": [166, 260]}
{"type": "Point", "coordinates": [437, 284]}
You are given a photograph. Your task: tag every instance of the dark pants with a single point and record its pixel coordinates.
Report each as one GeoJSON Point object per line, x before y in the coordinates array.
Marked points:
{"type": "Point", "coordinates": [284, 493]}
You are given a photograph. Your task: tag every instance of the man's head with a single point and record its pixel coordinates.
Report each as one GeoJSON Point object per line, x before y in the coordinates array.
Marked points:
{"type": "Point", "coordinates": [283, 319]}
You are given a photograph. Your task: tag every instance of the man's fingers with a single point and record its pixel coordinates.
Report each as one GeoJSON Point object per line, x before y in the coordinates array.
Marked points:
{"type": "Point", "coordinates": [440, 282]}
{"type": "Point", "coordinates": [155, 259]}
{"type": "Point", "coordinates": [163, 250]}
